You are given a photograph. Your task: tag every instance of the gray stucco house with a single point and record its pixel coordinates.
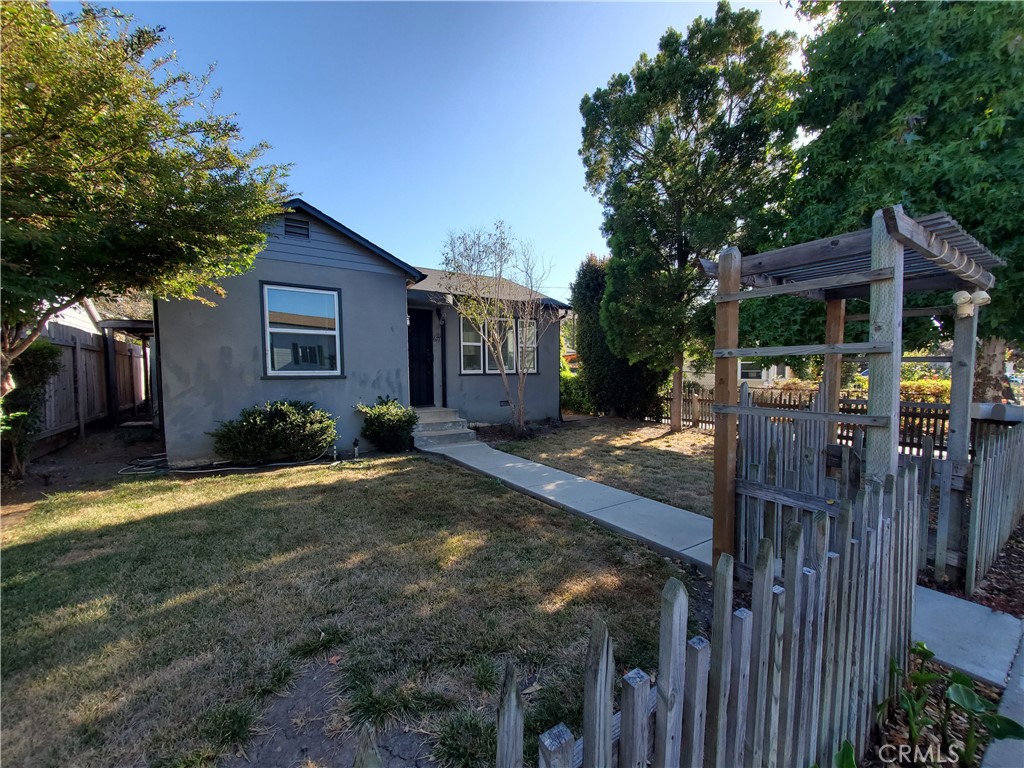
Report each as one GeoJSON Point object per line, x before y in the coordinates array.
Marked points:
{"type": "Point", "coordinates": [325, 315]}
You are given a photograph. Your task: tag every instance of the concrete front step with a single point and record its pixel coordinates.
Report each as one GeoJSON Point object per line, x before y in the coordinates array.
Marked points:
{"type": "Point", "coordinates": [439, 426]}
{"type": "Point", "coordinates": [436, 415]}
{"type": "Point", "coordinates": [433, 438]}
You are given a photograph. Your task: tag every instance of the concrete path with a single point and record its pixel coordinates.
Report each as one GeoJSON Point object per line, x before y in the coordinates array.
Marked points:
{"type": "Point", "coordinates": [666, 529]}
{"type": "Point", "coordinates": [966, 636]}
{"type": "Point", "coordinates": [972, 638]}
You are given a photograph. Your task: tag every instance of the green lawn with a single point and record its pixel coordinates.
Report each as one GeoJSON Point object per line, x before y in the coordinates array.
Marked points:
{"type": "Point", "coordinates": [147, 624]}
{"type": "Point", "coordinates": [638, 457]}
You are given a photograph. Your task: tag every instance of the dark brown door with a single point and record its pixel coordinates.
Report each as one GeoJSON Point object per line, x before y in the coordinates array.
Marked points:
{"type": "Point", "coordinates": [421, 357]}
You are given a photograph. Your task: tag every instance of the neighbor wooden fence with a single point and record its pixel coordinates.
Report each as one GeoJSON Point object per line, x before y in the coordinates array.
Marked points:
{"type": "Point", "coordinates": [784, 683]}
{"type": "Point", "coordinates": [77, 395]}
{"type": "Point", "coordinates": [997, 500]}
{"type": "Point", "coordinates": [917, 420]}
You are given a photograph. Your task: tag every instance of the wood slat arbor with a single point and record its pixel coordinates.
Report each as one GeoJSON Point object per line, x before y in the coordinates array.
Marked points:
{"type": "Point", "coordinates": [898, 255]}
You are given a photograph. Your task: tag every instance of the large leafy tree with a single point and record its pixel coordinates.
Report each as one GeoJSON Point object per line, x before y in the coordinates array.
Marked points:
{"type": "Point", "coordinates": [117, 173]}
{"type": "Point", "coordinates": [613, 384]}
{"type": "Point", "coordinates": [687, 153]}
{"type": "Point", "coordinates": [920, 104]}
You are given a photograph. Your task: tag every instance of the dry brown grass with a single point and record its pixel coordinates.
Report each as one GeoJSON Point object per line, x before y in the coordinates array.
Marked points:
{"type": "Point", "coordinates": [638, 457]}
{"type": "Point", "coordinates": [146, 624]}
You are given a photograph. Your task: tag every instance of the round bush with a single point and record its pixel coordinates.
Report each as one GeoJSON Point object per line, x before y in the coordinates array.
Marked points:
{"type": "Point", "coordinates": [388, 424]}
{"type": "Point", "coordinates": [284, 430]}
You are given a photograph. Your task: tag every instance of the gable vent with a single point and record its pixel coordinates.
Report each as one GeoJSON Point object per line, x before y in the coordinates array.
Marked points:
{"type": "Point", "coordinates": [296, 227]}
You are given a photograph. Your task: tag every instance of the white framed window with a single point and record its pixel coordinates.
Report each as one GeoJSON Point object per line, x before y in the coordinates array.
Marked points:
{"type": "Point", "coordinates": [751, 369]}
{"type": "Point", "coordinates": [528, 345]}
{"type": "Point", "coordinates": [506, 334]}
{"type": "Point", "coordinates": [472, 348]}
{"type": "Point", "coordinates": [302, 331]}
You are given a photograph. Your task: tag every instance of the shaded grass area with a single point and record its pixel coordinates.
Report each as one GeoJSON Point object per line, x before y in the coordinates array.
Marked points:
{"type": "Point", "coordinates": [638, 457]}
{"type": "Point", "coordinates": [146, 624]}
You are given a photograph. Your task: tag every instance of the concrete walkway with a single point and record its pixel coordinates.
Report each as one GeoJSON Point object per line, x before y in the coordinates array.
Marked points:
{"type": "Point", "coordinates": [666, 529]}
{"type": "Point", "coordinates": [966, 636]}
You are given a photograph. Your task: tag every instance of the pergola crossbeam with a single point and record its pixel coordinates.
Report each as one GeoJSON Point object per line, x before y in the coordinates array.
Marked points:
{"type": "Point", "coordinates": [936, 248]}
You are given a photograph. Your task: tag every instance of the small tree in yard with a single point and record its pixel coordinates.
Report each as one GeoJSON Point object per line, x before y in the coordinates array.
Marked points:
{"type": "Point", "coordinates": [117, 172]}
{"type": "Point", "coordinates": [493, 281]}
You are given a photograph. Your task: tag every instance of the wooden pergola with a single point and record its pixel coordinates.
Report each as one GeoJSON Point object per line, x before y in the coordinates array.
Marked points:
{"type": "Point", "coordinates": [898, 255]}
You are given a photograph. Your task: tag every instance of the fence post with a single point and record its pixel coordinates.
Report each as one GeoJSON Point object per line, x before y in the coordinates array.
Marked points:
{"type": "Point", "coordinates": [739, 685]}
{"type": "Point", "coordinates": [634, 732]}
{"type": "Point", "coordinates": [695, 704]}
{"type": "Point", "coordinates": [597, 699]}
{"type": "Point", "coordinates": [721, 662]}
{"type": "Point", "coordinates": [79, 363]}
{"type": "Point", "coordinates": [556, 748]}
{"type": "Point", "coordinates": [694, 410]}
{"type": "Point", "coordinates": [510, 722]}
{"type": "Point", "coordinates": [668, 731]}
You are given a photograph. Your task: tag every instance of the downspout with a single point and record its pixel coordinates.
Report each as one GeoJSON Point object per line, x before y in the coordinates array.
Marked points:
{"type": "Point", "coordinates": [444, 357]}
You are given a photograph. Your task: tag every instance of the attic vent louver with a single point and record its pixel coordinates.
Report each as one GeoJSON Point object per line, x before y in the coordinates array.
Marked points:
{"type": "Point", "coordinates": [296, 227]}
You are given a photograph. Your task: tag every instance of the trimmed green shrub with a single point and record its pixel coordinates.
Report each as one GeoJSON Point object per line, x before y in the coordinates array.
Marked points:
{"type": "Point", "coordinates": [612, 384]}
{"type": "Point", "coordinates": [388, 424]}
{"type": "Point", "coordinates": [572, 394]}
{"type": "Point", "coordinates": [284, 430]}
{"type": "Point", "coordinates": [22, 408]}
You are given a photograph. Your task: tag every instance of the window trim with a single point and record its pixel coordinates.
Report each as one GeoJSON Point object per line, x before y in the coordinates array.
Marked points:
{"type": "Point", "coordinates": [339, 371]}
{"type": "Point", "coordinates": [495, 371]}
{"type": "Point", "coordinates": [521, 347]}
{"type": "Point", "coordinates": [485, 354]}
{"type": "Point", "coordinates": [481, 345]}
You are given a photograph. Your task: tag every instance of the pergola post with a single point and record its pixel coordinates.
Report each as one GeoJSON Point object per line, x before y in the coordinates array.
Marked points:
{"type": "Point", "coordinates": [832, 375]}
{"type": "Point", "coordinates": [727, 336]}
{"type": "Point", "coordinates": [886, 326]}
{"type": "Point", "coordinates": [958, 442]}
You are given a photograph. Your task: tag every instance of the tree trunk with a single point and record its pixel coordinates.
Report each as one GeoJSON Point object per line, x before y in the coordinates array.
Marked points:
{"type": "Point", "coordinates": [676, 413]}
{"type": "Point", "coordinates": [7, 381]}
{"type": "Point", "coordinates": [990, 384]}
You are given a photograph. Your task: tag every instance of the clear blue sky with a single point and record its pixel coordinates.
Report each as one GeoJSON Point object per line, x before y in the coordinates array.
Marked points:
{"type": "Point", "coordinates": [406, 121]}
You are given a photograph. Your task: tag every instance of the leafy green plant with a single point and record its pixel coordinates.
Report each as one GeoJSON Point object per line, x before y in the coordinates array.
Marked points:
{"type": "Point", "coordinates": [573, 394]}
{"type": "Point", "coordinates": [959, 694]}
{"type": "Point", "coordinates": [283, 430]}
{"type": "Point", "coordinates": [388, 424]}
{"type": "Point", "coordinates": [980, 713]}
{"type": "Point", "coordinates": [22, 406]}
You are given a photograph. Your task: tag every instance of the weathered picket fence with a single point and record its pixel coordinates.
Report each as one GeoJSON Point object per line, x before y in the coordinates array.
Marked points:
{"type": "Point", "coordinates": [997, 500]}
{"type": "Point", "coordinates": [784, 683]}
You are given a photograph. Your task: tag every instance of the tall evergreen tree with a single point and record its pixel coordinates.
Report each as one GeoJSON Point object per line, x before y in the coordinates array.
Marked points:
{"type": "Point", "coordinates": [687, 154]}
{"type": "Point", "coordinates": [613, 384]}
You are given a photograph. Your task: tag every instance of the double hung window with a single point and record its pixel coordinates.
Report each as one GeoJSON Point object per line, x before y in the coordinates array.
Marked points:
{"type": "Point", "coordinates": [301, 331]}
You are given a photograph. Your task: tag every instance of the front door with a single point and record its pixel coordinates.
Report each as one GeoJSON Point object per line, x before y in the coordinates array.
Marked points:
{"type": "Point", "coordinates": [421, 357]}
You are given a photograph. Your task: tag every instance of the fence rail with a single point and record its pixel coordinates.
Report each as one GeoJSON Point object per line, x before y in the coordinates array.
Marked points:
{"type": "Point", "coordinates": [785, 682]}
{"type": "Point", "coordinates": [918, 420]}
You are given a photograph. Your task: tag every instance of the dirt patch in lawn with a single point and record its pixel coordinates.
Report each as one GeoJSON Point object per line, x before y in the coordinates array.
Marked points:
{"type": "Point", "coordinates": [298, 730]}
{"type": "Point", "coordinates": [639, 457]}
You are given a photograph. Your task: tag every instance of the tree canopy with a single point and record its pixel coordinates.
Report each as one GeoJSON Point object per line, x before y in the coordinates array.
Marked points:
{"type": "Point", "coordinates": [920, 104]}
{"type": "Point", "coordinates": [689, 152]}
{"type": "Point", "coordinates": [118, 173]}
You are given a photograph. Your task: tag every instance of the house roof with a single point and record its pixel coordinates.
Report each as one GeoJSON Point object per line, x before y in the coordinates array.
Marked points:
{"type": "Point", "coordinates": [298, 204]}
{"type": "Point", "coordinates": [938, 255]}
{"type": "Point", "coordinates": [435, 282]}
